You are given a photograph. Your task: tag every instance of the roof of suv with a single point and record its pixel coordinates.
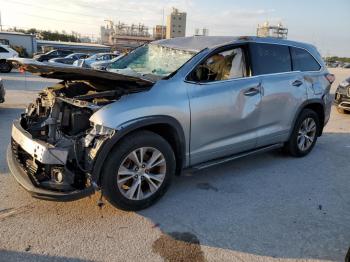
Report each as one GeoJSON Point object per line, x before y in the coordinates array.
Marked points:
{"type": "Point", "coordinates": [198, 43]}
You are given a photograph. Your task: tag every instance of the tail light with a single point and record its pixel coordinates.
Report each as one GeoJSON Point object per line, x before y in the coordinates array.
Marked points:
{"type": "Point", "coordinates": [330, 78]}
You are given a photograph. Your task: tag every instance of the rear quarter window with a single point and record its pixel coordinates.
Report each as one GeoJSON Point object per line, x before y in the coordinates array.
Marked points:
{"type": "Point", "coordinates": [270, 59]}
{"type": "Point", "coordinates": [303, 60]}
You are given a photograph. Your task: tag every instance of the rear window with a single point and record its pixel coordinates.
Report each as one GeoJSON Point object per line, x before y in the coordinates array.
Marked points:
{"type": "Point", "coordinates": [303, 61]}
{"type": "Point", "coordinates": [270, 59]}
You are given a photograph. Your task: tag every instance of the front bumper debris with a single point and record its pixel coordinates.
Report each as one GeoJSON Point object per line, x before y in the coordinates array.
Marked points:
{"type": "Point", "coordinates": [41, 151]}
{"type": "Point", "coordinates": [23, 179]}
{"type": "Point", "coordinates": [44, 153]}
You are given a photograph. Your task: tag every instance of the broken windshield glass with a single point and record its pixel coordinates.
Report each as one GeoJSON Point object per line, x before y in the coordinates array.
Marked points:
{"type": "Point", "coordinates": [152, 59]}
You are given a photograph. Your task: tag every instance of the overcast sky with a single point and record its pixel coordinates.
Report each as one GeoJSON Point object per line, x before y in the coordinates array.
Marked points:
{"type": "Point", "coordinates": [324, 23]}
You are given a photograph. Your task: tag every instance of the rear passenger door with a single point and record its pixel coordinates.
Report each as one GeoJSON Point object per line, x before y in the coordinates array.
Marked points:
{"type": "Point", "coordinates": [282, 91]}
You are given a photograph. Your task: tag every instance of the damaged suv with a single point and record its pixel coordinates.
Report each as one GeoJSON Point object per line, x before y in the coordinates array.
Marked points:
{"type": "Point", "coordinates": [184, 103]}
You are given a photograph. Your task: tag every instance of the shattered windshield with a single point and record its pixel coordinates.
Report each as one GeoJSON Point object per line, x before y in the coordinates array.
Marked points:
{"type": "Point", "coordinates": [151, 59]}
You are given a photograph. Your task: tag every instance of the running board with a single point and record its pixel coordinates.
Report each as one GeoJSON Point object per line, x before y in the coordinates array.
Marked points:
{"type": "Point", "coordinates": [233, 157]}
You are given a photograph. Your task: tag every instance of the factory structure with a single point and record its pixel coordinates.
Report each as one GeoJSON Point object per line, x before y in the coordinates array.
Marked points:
{"type": "Point", "coordinates": [267, 30]}
{"type": "Point", "coordinates": [126, 37]}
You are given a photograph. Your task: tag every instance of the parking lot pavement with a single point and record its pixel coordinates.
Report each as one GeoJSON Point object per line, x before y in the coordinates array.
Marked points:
{"type": "Point", "coordinates": [268, 207]}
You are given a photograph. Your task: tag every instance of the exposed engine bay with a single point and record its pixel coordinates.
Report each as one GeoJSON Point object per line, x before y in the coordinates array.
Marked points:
{"type": "Point", "coordinates": [59, 119]}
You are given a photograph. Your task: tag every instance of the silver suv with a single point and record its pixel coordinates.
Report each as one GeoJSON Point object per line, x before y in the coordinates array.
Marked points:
{"type": "Point", "coordinates": [184, 103]}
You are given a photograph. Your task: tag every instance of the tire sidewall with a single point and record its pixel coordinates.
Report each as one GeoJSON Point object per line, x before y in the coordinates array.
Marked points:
{"type": "Point", "coordinates": [306, 113]}
{"type": "Point", "coordinates": [109, 176]}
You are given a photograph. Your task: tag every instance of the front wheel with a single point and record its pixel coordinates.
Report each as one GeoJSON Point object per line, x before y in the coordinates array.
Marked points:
{"type": "Point", "coordinates": [138, 171]}
{"type": "Point", "coordinates": [304, 134]}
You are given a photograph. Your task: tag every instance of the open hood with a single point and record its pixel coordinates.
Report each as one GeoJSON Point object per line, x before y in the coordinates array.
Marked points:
{"type": "Point", "coordinates": [98, 79]}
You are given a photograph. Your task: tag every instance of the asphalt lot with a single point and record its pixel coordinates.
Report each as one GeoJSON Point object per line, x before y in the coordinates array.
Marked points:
{"type": "Point", "coordinates": [268, 207]}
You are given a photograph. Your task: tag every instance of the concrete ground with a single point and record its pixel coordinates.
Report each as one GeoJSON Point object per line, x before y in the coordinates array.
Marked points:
{"type": "Point", "coordinates": [268, 207]}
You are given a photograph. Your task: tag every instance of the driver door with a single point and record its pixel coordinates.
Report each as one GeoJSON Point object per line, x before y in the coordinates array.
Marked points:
{"type": "Point", "coordinates": [224, 102]}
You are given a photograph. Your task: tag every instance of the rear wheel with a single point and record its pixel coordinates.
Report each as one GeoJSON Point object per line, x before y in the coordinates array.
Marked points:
{"type": "Point", "coordinates": [304, 135]}
{"type": "Point", "coordinates": [138, 171]}
{"type": "Point", "coordinates": [5, 67]}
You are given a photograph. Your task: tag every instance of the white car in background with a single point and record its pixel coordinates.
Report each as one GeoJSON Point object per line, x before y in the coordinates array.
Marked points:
{"type": "Point", "coordinates": [94, 58]}
{"type": "Point", "coordinates": [103, 65]}
{"type": "Point", "coordinates": [6, 52]}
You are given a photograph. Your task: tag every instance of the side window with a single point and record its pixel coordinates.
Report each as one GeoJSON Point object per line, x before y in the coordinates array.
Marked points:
{"type": "Point", "coordinates": [303, 61]}
{"type": "Point", "coordinates": [3, 50]}
{"type": "Point", "coordinates": [270, 59]}
{"type": "Point", "coordinates": [224, 65]}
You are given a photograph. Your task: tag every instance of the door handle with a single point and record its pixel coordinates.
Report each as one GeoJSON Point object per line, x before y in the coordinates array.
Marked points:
{"type": "Point", "coordinates": [297, 83]}
{"type": "Point", "coordinates": [252, 91]}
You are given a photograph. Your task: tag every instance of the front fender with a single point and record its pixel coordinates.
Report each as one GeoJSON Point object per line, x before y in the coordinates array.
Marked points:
{"type": "Point", "coordinates": [131, 126]}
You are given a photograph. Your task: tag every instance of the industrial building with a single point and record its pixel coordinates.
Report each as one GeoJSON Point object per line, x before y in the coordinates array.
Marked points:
{"type": "Point", "coordinates": [201, 32]}
{"type": "Point", "coordinates": [159, 32]}
{"type": "Point", "coordinates": [122, 36]}
{"type": "Point", "coordinates": [26, 41]}
{"type": "Point", "coordinates": [267, 30]}
{"type": "Point", "coordinates": [176, 24]}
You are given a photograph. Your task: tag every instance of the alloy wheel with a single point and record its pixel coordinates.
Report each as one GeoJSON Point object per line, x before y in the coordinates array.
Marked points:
{"type": "Point", "coordinates": [141, 173]}
{"type": "Point", "coordinates": [306, 134]}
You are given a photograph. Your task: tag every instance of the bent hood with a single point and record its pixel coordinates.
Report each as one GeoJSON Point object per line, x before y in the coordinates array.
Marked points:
{"type": "Point", "coordinates": [102, 80]}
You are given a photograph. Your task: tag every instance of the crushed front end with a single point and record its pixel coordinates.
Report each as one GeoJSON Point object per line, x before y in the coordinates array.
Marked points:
{"type": "Point", "coordinates": [53, 144]}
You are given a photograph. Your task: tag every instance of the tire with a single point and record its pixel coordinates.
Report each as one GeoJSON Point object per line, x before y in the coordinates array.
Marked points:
{"type": "Point", "coordinates": [121, 167]}
{"type": "Point", "coordinates": [5, 67]}
{"type": "Point", "coordinates": [292, 147]}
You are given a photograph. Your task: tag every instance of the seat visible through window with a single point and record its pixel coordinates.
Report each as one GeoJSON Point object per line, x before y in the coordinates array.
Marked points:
{"type": "Point", "coordinates": [224, 65]}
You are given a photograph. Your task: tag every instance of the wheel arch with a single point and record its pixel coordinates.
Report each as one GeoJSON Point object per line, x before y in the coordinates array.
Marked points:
{"type": "Point", "coordinates": [165, 126]}
{"type": "Point", "coordinates": [317, 105]}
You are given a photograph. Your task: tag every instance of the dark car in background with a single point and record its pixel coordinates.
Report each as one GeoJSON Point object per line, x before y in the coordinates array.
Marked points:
{"type": "Point", "coordinates": [52, 54]}
{"type": "Point", "coordinates": [69, 59]}
{"type": "Point", "coordinates": [342, 96]}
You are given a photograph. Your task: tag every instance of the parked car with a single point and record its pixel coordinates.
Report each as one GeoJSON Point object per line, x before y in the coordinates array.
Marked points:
{"type": "Point", "coordinates": [6, 52]}
{"type": "Point", "coordinates": [69, 59]}
{"type": "Point", "coordinates": [102, 65]}
{"type": "Point", "coordinates": [342, 96]}
{"type": "Point", "coordinates": [51, 54]}
{"type": "Point", "coordinates": [346, 65]}
{"type": "Point", "coordinates": [94, 58]}
{"type": "Point", "coordinates": [2, 92]}
{"type": "Point", "coordinates": [175, 104]}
